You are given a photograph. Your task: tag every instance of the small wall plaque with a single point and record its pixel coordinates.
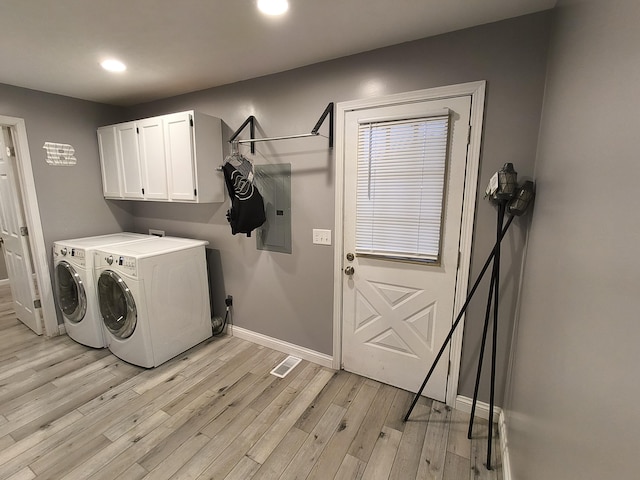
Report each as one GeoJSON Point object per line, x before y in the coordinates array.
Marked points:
{"type": "Point", "coordinates": [60, 154]}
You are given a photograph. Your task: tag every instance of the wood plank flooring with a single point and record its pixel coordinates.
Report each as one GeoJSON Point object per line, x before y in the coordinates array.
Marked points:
{"type": "Point", "coordinates": [72, 412]}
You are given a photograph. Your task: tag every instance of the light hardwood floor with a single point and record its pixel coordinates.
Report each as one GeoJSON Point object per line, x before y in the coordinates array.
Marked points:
{"type": "Point", "coordinates": [215, 412]}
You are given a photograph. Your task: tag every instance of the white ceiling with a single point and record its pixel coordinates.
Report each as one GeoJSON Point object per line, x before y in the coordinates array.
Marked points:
{"type": "Point", "coordinates": [178, 46]}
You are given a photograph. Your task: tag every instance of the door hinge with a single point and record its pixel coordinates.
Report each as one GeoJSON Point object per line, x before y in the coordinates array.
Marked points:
{"type": "Point", "coordinates": [449, 368]}
{"type": "Point", "coordinates": [469, 135]}
{"type": "Point", "coordinates": [195, 192]}
{"type": "Point", "coordinates": [37, 304]}
{"type": "Point", "coordinates": [24, 231]}
{"type": "Point", "coordinates": [137, 130]}
{"type": "Point", "coordinates": [190, 121]}
{"type": "Point", "coordinates": [143, 191]}
{"type": "Point", "coordinates": [11, 152]}
{"type": "Point", "coordinates": [459, 256]}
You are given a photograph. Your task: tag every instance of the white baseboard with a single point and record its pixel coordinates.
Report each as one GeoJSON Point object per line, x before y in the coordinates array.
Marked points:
{"type": "Point", "coordinates": [282, 346]}
{"type": "Point", "coordinates": [4, 281]}
{"type": "Point", "coordinates": [504, 446]}
{"type": "Point", "coordinates": [482, 410]}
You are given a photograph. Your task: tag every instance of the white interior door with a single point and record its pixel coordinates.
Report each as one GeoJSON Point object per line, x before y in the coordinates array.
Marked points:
{"type": "Point", "coordinates": [398, 307]}
{"type": "Point", "coordinates": [13, 232]}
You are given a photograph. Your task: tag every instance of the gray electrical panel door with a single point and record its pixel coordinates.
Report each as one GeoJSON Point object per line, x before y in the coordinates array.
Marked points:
{"type": "Point", "coordinates": [274, 183]}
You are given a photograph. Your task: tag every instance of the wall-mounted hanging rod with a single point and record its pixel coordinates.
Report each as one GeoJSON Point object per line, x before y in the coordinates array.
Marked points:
{"type": "Point", "coordinates": [314, 132]}
{"type": "Point", "coordinates": [252, 131]}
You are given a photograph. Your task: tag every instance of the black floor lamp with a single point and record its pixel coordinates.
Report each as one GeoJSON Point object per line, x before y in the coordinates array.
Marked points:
{"type": "Point", "coordinates": [503, 190]}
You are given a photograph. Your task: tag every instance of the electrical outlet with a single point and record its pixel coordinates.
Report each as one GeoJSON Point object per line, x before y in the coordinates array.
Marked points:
{"type": "Point", "coordinates": [321, 237]}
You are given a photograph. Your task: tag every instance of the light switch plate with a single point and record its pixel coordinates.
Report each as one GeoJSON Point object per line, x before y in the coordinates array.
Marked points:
{"type": "Point", "coordinates": [321, 237]}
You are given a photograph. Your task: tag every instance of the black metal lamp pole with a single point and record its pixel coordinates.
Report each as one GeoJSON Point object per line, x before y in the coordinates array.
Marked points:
{"type": "Point", "coordinates": [504, 192]}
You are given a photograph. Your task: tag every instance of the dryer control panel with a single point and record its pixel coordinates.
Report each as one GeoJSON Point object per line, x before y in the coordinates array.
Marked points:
{"type": "Point", "coordinates": [126, 262]}
{"type": "Point", "coordinates": [120, 263]}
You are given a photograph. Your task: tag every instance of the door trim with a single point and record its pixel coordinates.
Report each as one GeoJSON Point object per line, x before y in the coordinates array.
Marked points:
{"type": "Point", "coordinates": [39, 252]}
{"type": "Point", "coordinates": [477, 92]}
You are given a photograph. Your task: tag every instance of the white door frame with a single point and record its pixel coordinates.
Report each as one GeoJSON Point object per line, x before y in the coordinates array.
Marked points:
{"type": "Point", "coordinates": [39, 252]}
{"type": "Point", "coordinates": [477, 92]}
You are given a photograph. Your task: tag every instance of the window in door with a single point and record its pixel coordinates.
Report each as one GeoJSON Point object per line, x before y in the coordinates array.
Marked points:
{"type": "Point", "coordinates": [400, 187]}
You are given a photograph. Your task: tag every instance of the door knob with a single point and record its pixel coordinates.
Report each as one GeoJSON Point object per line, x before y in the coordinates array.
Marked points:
{"type": "Point", "coordinates": [349, 270]}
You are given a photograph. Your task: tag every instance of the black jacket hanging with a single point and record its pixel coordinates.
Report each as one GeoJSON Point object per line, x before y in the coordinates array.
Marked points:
{"type": "Point", "coordinates": [247, 207]}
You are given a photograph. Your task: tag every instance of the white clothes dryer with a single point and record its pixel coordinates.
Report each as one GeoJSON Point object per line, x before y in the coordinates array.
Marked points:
{"type": "Point", "coordinates": [153, 298]}
{"type": "Point", "coordinates": [74, 285]}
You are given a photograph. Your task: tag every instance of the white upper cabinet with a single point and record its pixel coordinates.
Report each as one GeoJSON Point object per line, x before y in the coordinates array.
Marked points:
{"type": "Point", "coordinates": [129, 155]}
{"type": "Point", "coordinates": [110, 167]}
{"type": "Point", "coordinates": [170, 158]}
{"type": "Point", "coordinates": [153, 158]}
{"type": "Point", "coordinates": [180, 154]}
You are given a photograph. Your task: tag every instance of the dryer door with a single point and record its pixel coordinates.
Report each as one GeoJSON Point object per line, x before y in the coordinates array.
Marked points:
{"type": "Point", "coordinates": [117, 307]}
{"type": "Point", "coordinates": [70, 293]}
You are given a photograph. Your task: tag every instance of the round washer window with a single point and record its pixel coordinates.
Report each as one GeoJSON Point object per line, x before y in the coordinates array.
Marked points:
{"type": "Point", "coordinates": [117, 307]}
{"type": "Point", "coordinates": [70, 292]}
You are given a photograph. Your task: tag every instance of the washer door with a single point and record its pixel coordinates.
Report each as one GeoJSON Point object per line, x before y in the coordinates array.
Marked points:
{"type": "Point", "coordinates": [117, 307]}
{"type": "Point", "coordinates": [70, 293]}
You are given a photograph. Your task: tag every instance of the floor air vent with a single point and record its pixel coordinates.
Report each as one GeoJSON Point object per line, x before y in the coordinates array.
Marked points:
{"type": "Point", "coordinates": [285, 366]}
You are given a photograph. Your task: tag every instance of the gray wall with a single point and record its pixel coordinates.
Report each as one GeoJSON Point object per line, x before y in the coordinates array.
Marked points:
{"type": "Point", "coordinates": [70, 198]}
{"type": "Point", "coordinates": [573, 408]}
{"type": "Point", "coordinates": [290, 297]}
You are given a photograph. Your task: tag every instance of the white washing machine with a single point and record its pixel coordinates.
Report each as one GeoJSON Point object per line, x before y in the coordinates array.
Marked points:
{"type": "Point", "coordinates": [153, 298]}
{"type": "Point", "coordinates": [75, 286]}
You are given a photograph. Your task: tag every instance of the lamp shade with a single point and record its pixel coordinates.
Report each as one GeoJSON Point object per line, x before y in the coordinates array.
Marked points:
{"type": "Point", "coordinates": [522, 199]}
{"type": "Point", "coordinates": [507, 182]}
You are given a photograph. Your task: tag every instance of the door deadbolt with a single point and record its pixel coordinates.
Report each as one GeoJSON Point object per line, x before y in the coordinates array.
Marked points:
{"type": "Point", "coordinates": [350, 256]}
{"type": "Point", "coordinates": [349, 270]}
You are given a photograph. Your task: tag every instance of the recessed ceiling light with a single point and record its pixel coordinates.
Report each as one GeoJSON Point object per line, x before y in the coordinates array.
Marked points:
{"type": "Point", "coordinates": [273, 7]}
{"type": "Point", "coordinates": [112, 65]}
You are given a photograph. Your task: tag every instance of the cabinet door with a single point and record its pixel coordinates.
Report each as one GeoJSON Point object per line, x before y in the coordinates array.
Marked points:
{"type": "Point", "coordinates": [178, 136]}
{"type": "Point", "coordinates": [109, 162]}
{"type": "Point", "coordinates": [152, 158]}
{"type": "Point", "coordinates": [127, 140]}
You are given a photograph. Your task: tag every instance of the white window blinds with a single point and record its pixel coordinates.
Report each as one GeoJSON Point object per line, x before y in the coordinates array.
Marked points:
{"type": "Point", "coordinates": [399, 198]}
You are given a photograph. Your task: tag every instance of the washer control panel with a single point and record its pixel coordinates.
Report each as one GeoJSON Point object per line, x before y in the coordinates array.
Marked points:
{"type": "Point", "coordinates": [74, 255]}
{"type": "Point", "coordinates": [78, 254]}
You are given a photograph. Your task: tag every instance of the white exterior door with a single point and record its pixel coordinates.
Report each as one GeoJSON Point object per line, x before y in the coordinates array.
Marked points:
{"type": "Point", "coordinates": [15, 242]}
{"type": "Point", "coordinates": [397, 309]}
